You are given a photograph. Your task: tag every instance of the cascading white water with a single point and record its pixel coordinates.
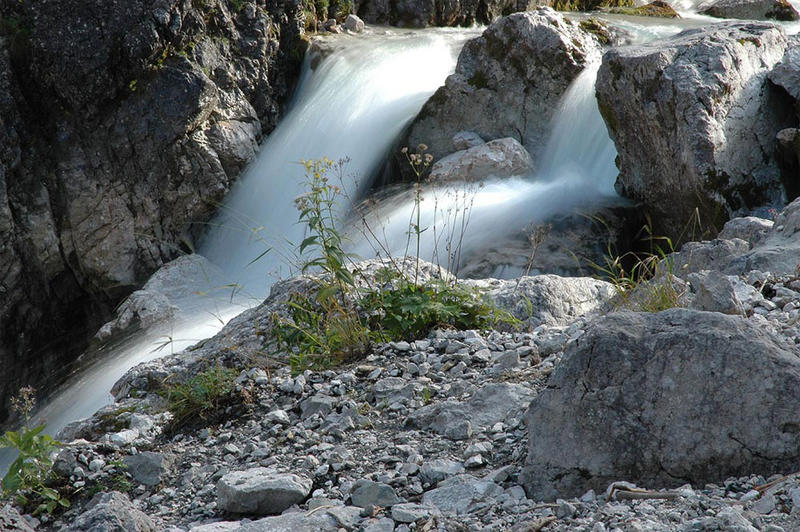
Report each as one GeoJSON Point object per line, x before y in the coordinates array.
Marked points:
{"type": "Point", "coordinates": [577, 170]}
{"type": "Point", "coordinates": [354, 105]}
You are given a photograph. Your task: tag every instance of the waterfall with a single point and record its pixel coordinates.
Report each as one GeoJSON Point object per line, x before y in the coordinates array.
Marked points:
{"type": "Point", "coordinates": [355, 104]}
{"type": "Point", "coordinates": [577, 171]}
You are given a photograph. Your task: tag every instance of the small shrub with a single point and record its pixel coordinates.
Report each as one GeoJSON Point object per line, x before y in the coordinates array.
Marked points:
{"type": "Point", "coordinates": [346, 316]}
{"type": "Point", "coordinates": [407, 310]}
{"type": "Point", "coordinates": [203, 398]}
{"type": "Point", "coordinates": [644, 281]}
{"type": "Point", "coordinates": [29, 476]}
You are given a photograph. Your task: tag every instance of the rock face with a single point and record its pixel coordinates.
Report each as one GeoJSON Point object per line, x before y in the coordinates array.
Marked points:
{"type": "Point", "coordinates": [496, 158]}
{"type": "Point", "coordinates": [507, 82]}
{"type": "Point", "coordinates": [752, 9]}
{"type": "Point", "coordinates": [422, 13]}
{"type": "Point", "coordinates": [259, 491]}
{"type": "Point", "coordinates": [121, 123]}
{"type": "Point", "coordinates": [694, 122]}
{"type": "Point", "coordinates": [663, 399]}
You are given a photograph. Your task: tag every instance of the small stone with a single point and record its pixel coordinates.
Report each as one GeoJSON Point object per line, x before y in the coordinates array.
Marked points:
{"type": "Point", "coordinates": [367, 492]}
{"type": "Point", "coordinates": [750, 496]}
{"type": "Point", "coordinates": [474, 461]}
{"type": "Point", "coordinates": [435, 471]}
{"type": "Point", "coordinates": [565, 509]}
{"type": "Point", "coordinates": [411, 512]}
{"type": "Point", "coordinates": [260, 491]}
{"type": "Point", "coordinates": [765, 504]}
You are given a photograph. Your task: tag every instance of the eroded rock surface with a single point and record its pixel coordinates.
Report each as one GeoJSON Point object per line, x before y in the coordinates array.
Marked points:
{"type": "Point", "coordinates": [121, 124]}
{"type": "Point", "coordinates": [664, 399]}
{"type": "Point", "coordinates": [507, 83]}
{"type": "Point", "coordinates": [694, 121]}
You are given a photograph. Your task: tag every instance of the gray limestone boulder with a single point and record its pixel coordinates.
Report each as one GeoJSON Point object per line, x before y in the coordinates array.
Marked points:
{"type": "Point", "coordinates": [752, 10]}
{"type": "Point", "coordinates": [694, 121]}
{"type": "Point", "coordinates": [664, 399]}
{"type": "Point", "coordinates": [260, 491]}
{"type": "Point", "coordinates": [507, 83]}
{"type": "Point", "coordinates": [111, 512]}
{"type": "Point", "coordinates": [368, 493]}
{"type": "Point", "coordinates": [497, 158]}
{"type": "Point", "coordinates": [146, 467]}
{"type": "Point", "coordinates": [490, 404]}
{"type": "Point", "coordinates": [748, 228]}
{"type": "Point", "coordinates": [547, 299]}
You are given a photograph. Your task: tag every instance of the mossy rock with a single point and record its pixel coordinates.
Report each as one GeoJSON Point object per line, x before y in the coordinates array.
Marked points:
{"type": "Point", "coordinates": [589, 5]}
{"type": "Point", "coordinates": [657, 8]}
{"type": "Point", "coordinates": [597, 28]}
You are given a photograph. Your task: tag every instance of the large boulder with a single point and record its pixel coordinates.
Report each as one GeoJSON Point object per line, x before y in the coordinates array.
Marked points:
{"type": "Point", "coordinates": [694, 122]}
{"type": "Point", "coordinates": [752, 9]}
{"type": "Point", "coordinates": [121, 125]}
{"type": "Point", "coordinates": [664, 399]}
{"type": "Point", "coordinates": [507, 82]}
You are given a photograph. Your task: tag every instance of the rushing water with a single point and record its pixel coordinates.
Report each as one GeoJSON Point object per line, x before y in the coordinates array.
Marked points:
{"type": "Point", "coordinates": [459, 219]}
{"type": "Point", "coordinates": [354, 104]}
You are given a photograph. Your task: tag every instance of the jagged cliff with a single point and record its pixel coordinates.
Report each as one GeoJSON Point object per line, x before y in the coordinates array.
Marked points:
{"type": "Point", "coordinates": [122, 123]}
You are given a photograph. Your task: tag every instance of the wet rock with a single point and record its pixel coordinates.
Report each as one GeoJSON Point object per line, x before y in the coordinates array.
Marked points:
{"type": "Point", "coordinates": [464, 140]}
{"type": "Point", "coordinates": [657, 8]}
{"type": "Point", "coordinates": [260, 491]}
{"type": "Point", "coordinates": [354, 24]}
{"type": "Point", "coordinates": [685, 132]}
{"type": "Point", "coordinates": [419, 13]}
{"type": "Point", "coordinates": [111, 512]}
{"type": "Point", "coordinates": [154, 121]}
{"type": "Point", "coordinates": [668, 404]}
{"type": "Point", "coordinates": [524, 61]}
{"type": "Point", "coordinates": [752, 9]}
{"type": "Point", "coordinates": [496, 158]}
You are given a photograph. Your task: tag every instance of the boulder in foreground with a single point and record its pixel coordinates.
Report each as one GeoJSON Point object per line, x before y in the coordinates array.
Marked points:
{"type": "Point", "coordinates": [664, 399]}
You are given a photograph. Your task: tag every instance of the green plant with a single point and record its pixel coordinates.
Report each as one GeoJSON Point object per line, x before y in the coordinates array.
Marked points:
{"type": "Point", "coordinates": [204, 397]}
{"type": "Point", "coordinates": [318, 336]}
{"type": "Point", "coordinates": [643, 280]}
{"type": "Point", "coordinates": [347, 314]}
{"type": "Point", "coordinates": [409, 310]}
{"type": "Point", "coordinates": [28, 476]}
